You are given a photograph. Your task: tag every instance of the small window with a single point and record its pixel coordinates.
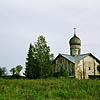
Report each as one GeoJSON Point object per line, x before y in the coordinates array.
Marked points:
{"type": "Point", "coordinates": [89, 68]}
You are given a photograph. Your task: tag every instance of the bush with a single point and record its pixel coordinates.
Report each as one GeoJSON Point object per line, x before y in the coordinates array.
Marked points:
{"type": "Point", "coordinates": [62, 72]}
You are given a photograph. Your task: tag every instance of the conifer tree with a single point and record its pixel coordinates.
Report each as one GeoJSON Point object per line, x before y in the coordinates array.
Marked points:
{"type": "Point", "coordinates": [29, 63]}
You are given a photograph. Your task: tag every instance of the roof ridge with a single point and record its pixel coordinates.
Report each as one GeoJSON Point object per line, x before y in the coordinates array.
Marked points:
{"type": "Point", "coordinates": [85, 54]}
{"type": "Point", "coordinates": [65, 54]}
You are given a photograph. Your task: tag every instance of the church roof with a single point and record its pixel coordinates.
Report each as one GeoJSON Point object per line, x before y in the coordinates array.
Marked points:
{"type": "Point", "coordinates": [74, 59]}
{"type": "Point", "coordinates": [77, 58]}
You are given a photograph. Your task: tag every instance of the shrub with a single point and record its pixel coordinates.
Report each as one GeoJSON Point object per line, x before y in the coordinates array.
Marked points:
{"type": "Point", "coordinates": [62, 72]}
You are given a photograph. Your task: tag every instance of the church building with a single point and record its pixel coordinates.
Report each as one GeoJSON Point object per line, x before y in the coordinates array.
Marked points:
{"type": "Point", "coordinates": [80, 66]}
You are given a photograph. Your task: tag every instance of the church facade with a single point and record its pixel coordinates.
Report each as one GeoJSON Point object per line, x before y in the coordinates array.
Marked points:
{"type": "Point", "coordinates": [80, 66]}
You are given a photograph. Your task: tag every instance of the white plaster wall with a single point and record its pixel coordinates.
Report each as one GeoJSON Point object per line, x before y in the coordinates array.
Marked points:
{"type": "Point", "coordinates": [85, 64]}
{"type": "Point", "coordinates": [66, 64]}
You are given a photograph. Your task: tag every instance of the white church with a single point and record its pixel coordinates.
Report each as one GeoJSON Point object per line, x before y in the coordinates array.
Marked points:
{"type": "Point", "coordinates": [80, 66]}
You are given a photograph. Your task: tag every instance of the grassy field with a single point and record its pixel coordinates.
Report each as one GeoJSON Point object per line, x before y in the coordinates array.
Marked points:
{"type": "Point", "coordinates": [49, 89]}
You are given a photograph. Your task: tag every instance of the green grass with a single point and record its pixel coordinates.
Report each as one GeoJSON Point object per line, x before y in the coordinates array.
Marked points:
{"type": "Point", "coordinates": [49, 89]}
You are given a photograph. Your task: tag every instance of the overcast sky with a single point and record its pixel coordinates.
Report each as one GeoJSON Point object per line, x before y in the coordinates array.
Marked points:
{"type": "Point", "coordinates": [22, 21]}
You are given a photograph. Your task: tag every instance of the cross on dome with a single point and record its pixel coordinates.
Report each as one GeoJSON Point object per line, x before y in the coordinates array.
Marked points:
{"type": "Point", "coordinates": [74, 31]}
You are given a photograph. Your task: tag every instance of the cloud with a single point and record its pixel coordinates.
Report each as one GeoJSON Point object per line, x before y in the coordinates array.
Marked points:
{"type": "Point", "coordinates": [22, 21]}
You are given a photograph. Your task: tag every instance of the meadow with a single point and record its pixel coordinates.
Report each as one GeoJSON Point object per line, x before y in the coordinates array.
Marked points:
{"type": "Point", "coordinates": [49, 89]}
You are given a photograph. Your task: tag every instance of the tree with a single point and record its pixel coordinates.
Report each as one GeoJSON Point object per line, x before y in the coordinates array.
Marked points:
{"type": "Point", "coordinates": [3, 71]}
{"type": "Point", "coordinates": [43, 56]}
{"type": "Point", "coordinates": [39, 59]}
{"type": "Point", "coordinates": [18, 69]}
{"type": "Point", "coordinates": [29, 63]}
{"type": "Point", "coordinates": [13, 71]}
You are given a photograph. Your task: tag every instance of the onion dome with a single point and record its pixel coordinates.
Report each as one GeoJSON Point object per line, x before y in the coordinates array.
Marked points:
{"type": "Point", "coordinates": [75, 40]}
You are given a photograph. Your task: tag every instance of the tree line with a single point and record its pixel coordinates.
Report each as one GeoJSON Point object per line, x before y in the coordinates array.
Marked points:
{"type": "Point", "coordinates": [38, 61]}
{"type": "Point", "coordinates": [15, 72]}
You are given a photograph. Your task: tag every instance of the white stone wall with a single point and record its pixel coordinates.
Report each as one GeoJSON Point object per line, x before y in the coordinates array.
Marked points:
{"type": "Point", "coordinates": [75, 50]}
{"type": "Point", "coordinates": [86, 67]}
{"type": "Point", "coordinates": [66, 64]}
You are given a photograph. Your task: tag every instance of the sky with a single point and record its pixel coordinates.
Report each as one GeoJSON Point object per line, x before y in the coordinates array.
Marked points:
{"type": "Point", "coordinates": [22, 21]}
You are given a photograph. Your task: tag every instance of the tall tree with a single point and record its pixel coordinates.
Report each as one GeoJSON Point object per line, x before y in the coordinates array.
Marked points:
{"type": "Point", "coordinates": [29, 63]}
{"type": "Point", "coordinates": [43, 56]}
{"type": "Point", "coordinates": [39, 59]}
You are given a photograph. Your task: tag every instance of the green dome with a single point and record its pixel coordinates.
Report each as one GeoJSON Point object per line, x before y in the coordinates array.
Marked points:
{"type": "Point", "coordinates": [75, 40]}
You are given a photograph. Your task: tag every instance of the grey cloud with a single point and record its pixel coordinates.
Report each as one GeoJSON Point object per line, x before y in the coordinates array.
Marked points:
{"type": "Point", "coordinates": [22, 21]}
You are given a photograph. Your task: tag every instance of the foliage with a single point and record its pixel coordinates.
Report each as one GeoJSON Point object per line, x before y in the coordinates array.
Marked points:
{"type": "Point", "coordinates": [3, 71]}
{"type": "Point", "coordinates": [30, 63]}
{"type": "Point", "coordinates": [39, 59]}
{"type": "Point", "coordinates": [16, 71]}
{"type": "Point", "coordinates": [62, 72]}
{"type": "Point", "coordinates": [49, 89]}
{"type": "Point", "coordinates": [98, 68]}
{"type": "Point", "coordinates": [13, 71]}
